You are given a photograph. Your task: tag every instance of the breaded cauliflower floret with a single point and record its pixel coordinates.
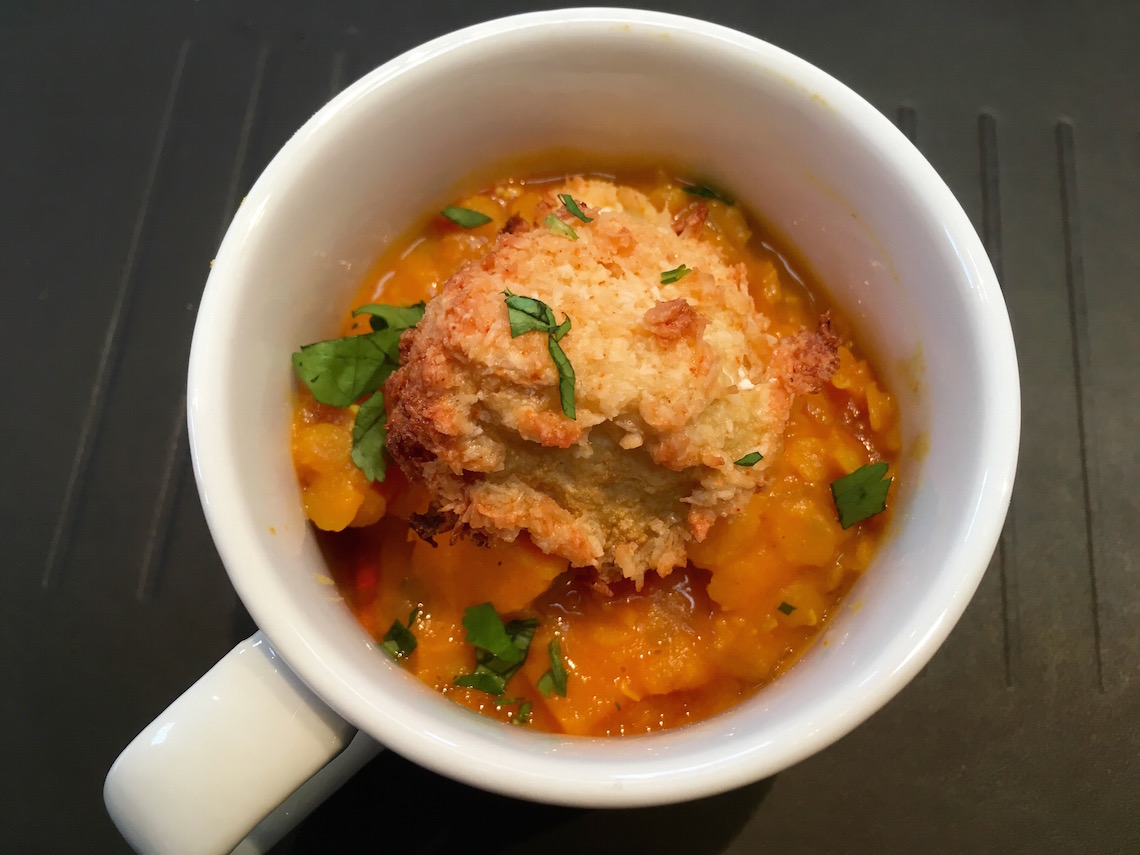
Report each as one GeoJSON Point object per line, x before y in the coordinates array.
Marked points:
{"type": "Point", "coordinates": [674, 382]}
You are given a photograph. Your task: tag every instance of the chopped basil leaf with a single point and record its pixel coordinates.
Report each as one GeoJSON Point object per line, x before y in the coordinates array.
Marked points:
{"type": "Point", "coordinates": [340, 370]}
{"type": "Point", "coordinates": [522, 716]}
{"type": "Point", "coordinates": [558, 227]}
{"type": "Point", "coordinates": [554, 680]}
{"type": "Point", "coordinates": [521, 632]}
{"type": "Point", "coordinates": [861, 494]}
{"type": "Point", "coordinates": [573, 208]}
{"type": "Point", "coordinates": [786, 608]}
{"type": "Point", "coordinates": [398, 640]}
{"type": "Point", "coordinates": [561, 329]}
{"type": "Point", "coordinates": [465, 217]}
{"type": "Point", "coordinates": [392, 317]}
{"type": "Point", "coordinates": [706, 192]}
{"type": "Point", "coordinates": [565, 377]}
{"type": "Point", "coordinates": [668, 277]}
{"type": "Point", "coordinates": [486, 631]}
{"type": "Point", "coordinates": [546, 684]}
{"type": "Point", "coordinates": [750, 459]}
{"type": "Point", "coordinates": [499, 650]}
{"type": "Point", "coordinates": [526, 314]}
{"type": "Point", "coordinates": [369, 435]}
{"type": "Point", "coordinates": [482, 679]}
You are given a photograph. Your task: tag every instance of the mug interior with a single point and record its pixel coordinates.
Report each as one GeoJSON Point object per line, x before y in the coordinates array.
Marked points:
{"type": "Point", "coordinates": [818, 164]}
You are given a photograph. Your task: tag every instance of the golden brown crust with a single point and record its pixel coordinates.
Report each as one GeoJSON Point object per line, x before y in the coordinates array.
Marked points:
{"type": "Point", "coordinates": [551, 429]}
{"type": "Point", "coordinates": [804, 362]}
{"type": "Point", "coordinates": [689, 224]}
{"type": "Point", "coordinates": [671, 387]}
{"type": "Point", "coordinates": [516, 224]}
{"type": "Point", "coordinates": [673, 320]}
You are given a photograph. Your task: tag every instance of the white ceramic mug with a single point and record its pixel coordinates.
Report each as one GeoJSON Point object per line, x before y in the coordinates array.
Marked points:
{"type": "Point", "coordinates": [818, 163]}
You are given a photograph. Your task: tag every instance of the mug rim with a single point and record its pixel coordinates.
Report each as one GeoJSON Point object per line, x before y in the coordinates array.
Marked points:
{"type": "Point", "coordinates": [272, 610]}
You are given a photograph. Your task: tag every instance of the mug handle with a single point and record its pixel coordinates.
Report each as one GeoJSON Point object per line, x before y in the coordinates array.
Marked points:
{"type": "Point", "coordinates": [248, 748]}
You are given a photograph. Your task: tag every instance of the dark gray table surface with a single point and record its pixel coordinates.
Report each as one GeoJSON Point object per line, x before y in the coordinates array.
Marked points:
{"type": "Point", "coordinates": [130, 131]}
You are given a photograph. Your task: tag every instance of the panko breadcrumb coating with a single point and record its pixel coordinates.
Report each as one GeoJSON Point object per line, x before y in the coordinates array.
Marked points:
{"type": "Point", "coordinates": [674, 382]}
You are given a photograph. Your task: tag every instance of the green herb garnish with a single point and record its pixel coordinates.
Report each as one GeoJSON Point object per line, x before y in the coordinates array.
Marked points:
{"type": "Point", "coordinates": [573, 208]}
{"type": "Point", "coordinates": [483, 680]}
{"type": "Point", "coordinates": [526, 314]}
{"type": "Point", "coordinates": [465, 217]}
{"type": "Point", "coordinates": [706, 192]}
{"type": "Point", "coordinates": [392, 317]}
{"type": "Point", "coordinates": [500, 650]}
{"type": "Point", "coordinates": [398, 640]}
{"type": "Point", "coordinates": [485, 630]}
{"type": "Point", "coordinates": [522, 715]}
{"type": "Point", "coordinates": [565, 377]}
{"type": "Point", "coordinates": [339, 371]}
{"type": "Point", "coordinates": [554, 680]}
{"type": "Point", "coordinates": [861, 494]}
{"type": "Point", "coordinates": [786, 608]}
{"type": "Point", "coordinates": [668, 277]}
{"type": "Point", "coordinates": [558, 227]}
{"type": "Point", "coordinates": [369, 437]}
{"type": "Point", "coordinates": [750, 459]}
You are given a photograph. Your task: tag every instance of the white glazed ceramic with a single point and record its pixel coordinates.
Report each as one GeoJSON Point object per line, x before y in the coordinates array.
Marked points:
{"type": "Point", "coordinates": [822, 166]}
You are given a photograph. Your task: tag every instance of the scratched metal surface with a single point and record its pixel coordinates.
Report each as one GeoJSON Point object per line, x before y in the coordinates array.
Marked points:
{"type": "Point", "coordinates": [131, 132]}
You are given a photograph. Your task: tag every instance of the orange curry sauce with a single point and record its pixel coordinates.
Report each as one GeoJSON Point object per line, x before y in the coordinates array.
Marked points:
{"type": "Point", "coordinates": [754, 595]}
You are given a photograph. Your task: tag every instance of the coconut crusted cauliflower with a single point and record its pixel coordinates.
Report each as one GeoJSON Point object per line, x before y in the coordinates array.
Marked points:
{"type": "Point", "coordinates": [674, 383]}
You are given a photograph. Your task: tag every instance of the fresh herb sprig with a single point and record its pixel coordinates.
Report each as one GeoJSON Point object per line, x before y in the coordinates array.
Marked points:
{"type": "Point", "coordinates": [398, 641]}
{"type": "Point", "coordinates": [572, 206]}
{"type": "Point", "coordinates": [706, 192]}
{"type": "Point", "coordinates": [465, 217]}
{"type": "Point", "coordinates": [526, 314]}
{"type": "Point", "coordinates": [668, 277]}
{"type": "Point", "coordinates": [558, 227]}
{"type": "Point", "coordinates": [553, 681]}
{"type": "Point", "coordinates": [522, 714]}
{"type": "Point", "coordinates": [340, 371]}
{"type": "Point", "coordinates": [370, 437]}
{"type": "Point", "coordinates": [500, 649]}
{"type": "Point", "coordinates": [861, 494]}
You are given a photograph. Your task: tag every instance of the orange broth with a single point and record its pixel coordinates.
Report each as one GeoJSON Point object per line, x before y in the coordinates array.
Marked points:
{"type": "Point", "coordinates": [755, 593]}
